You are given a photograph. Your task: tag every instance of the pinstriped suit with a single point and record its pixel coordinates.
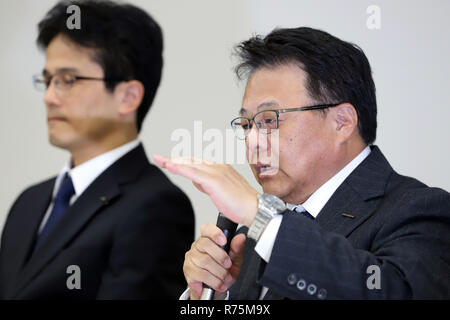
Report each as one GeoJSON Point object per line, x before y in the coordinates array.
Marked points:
{"type": "Point", "coordinates": [399, 225]}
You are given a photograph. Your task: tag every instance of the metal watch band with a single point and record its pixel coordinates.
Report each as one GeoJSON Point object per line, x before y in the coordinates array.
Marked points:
{"type": "Point", "coordinates": [268, 206]}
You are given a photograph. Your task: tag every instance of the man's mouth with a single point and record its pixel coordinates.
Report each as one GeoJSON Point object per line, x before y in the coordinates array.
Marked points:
{"type": "Point", "coordinates": [265, 170]}
{"type": "Point", "coordinates": [54, 118]}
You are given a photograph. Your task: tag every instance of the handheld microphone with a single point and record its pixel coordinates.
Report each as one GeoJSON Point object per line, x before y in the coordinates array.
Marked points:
{"type": "Point", "coordinates": [228, 227]}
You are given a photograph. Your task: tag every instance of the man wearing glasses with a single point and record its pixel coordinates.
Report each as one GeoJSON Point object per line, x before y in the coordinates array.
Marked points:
{"type": "Point", "coordinates": [335, 220]}
{"type": "Point", "coordinates": [110, 225]}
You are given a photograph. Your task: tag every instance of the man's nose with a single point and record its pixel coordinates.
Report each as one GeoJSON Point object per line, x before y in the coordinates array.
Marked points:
{"type": "Point", "coordinates": [252, 138]}
{"type": "Point", "coordinates": [51, 96]}
{"type": "Point", "coordinates": [257, 143]}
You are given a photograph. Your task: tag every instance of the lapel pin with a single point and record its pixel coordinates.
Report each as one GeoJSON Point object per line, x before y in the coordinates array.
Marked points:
{"type": "Point", "coordinates": [104, 200]}
{"type": "Point", "coordinates": [348, 215]}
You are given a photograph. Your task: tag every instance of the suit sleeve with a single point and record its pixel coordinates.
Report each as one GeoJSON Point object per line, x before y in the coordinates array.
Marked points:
{"type": "Point", "coordinates": [411, 251]}
{"type": "Point", "coordinates": [3, 238]}
{"type": "Point", "coordinates": [147, 254]}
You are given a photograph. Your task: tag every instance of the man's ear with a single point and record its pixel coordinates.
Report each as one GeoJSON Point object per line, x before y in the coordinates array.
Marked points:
{"type": "Point", "coordinates": [345, 120]}
{"type": "Point", "coordinates": [129, 95]}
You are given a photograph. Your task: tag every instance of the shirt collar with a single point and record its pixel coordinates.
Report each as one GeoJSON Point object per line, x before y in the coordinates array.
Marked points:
{"type": "Point", "coordinates": [84, 174]}
{"type": "Point", "coordinates": [320, 197]}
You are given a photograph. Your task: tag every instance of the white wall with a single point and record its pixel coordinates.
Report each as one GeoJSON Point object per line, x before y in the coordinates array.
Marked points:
{"type": "Point", "coordinates": [409, 57]}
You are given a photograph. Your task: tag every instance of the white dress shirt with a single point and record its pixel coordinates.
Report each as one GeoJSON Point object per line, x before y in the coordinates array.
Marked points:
{"type": "Point", "coordinates": [84, 174]}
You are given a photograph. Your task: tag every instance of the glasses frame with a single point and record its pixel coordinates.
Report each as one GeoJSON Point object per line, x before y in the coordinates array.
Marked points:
{"type": "Point", "coordinates": [37, 78]}
{"type": "Point", "coordinates": [277, 112]}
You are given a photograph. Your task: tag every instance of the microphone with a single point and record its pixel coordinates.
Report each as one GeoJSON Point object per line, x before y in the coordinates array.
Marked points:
{"type": "Point", "coordinates": [228, 227]}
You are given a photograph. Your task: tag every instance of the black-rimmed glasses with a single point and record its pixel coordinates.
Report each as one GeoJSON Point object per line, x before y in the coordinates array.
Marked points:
{"type": "Point", "coordinates": [267, 120]}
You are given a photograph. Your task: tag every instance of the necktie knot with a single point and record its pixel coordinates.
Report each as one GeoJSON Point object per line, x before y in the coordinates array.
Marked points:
{"type": "Point", "coordinates": [302, 210]}
{"type": "Point", "coordinates": [60, 205]}
{"type": "Point", "coordinates": [66, 190]}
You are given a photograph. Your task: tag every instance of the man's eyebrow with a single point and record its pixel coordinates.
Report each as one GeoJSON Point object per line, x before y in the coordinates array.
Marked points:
{"type": "Point", "coordinates": [265, 105]}
{"type": "Point", "coordinates": [59, 70]}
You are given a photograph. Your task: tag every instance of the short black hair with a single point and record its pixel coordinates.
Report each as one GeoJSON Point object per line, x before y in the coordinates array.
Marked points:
{"type": "Point", "coordinates": [127, 42]}
{"type": "Point", "coordinates": [337, 71]}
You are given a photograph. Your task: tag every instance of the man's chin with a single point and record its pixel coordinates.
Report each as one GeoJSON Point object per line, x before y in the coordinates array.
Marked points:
{"type": "Point", "coordinates": [58, 142]}
{"type": "Point", "coordinates": [271, 186]}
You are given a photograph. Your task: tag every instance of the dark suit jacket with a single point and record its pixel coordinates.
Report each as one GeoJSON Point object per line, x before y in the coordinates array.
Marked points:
{"type": "Point", "coordinates": [127, 232]}
{"type": "Point", "coordinates": [400, 225]}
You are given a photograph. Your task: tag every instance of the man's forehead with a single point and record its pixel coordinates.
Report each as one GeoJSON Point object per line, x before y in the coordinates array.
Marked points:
{"type": "Point", "coordinates": [264, 105]}
{"type": "Point", "coordinates": [63, 53]}
{"type": "Point", "coordinates": [48, 70]}
{"type": "Point", "coordinates": [274, 87]}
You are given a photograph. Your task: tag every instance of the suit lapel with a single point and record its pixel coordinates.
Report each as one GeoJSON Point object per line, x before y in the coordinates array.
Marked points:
{"type": "Point", "coordinates": [270, 295]}
{"type": "Point", "coordinates": [73, 220]}
{"type": "Point", "coordinates": [249, 288]}
{"type": "Point", "coordinates": [355, 199]}
{"type": "Point", "coordinates": [343, 214]}
{"type": "Point", "coordinates": [35, 207]}
{"type": "Point", "coordinates": [252, 268]}
{"type": "Point", "coordinates": [98, 195]}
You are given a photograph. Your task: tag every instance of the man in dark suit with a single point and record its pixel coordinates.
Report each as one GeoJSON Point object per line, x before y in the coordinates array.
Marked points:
{"type": "Point", "coordinates": [335, 220]}
{"type": "Point", "coordinates": [110, 225]}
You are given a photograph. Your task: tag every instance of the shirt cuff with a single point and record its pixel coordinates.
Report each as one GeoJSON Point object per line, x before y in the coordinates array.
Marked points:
{"type": "Point", "coordinates": [265, 243]}
{"type": "Point", "coordinates": [186, 295]}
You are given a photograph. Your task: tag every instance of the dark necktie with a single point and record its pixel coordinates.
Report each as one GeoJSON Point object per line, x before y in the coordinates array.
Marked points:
{"type": "Point", "coordinates": [61, 203]}
{"type": "Point", "coordinates": [302, 210]}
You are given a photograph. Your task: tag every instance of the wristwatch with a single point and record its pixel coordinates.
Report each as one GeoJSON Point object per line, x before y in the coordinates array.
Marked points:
{"type": "Point", "coordinates": [268, 206]}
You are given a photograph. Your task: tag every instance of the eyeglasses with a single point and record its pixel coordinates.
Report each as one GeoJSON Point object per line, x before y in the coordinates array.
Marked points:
{"type": "Point", "coordinates": [62, 81]}
{"type": "Point", "coordinates": [267, 120]}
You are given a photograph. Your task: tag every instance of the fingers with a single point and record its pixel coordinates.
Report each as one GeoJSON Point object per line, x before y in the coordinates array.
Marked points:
{"type": "Point", "coordinates": [202, 268]}
{"type": "Point", "coordinates": [213, 232]}
{"type": "Point", "coordinates": [186, 171]}
{"type": "Point", "coordinates": [237, 245]}
{"type": "Point", "coordinates": [199, 187]}
{"type": "Point", "coordinates": [194, 170]}
{"type": "Point", "coordinates": [208, 248]}
{"type": "Point", "coordinates": [236, 253]}
{"type": "Point", "coordinates": [160, 160]}
{"type": "Point", "coordinates": [208, 253]}
{"type": "Point", "coordinates": [195, 290]}
{"type": "Point", "coordinates": [187, 167]}
{"type": "Point", "coordinates": [229, 191]}
{"type": "Point", "coordinates": [192, 162]}
{"type": "Point", "coordinates": [207, 263]}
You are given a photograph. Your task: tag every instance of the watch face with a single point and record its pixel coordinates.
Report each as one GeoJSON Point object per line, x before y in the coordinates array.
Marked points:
{"type": "Point", "coordinates": [274, 202]}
